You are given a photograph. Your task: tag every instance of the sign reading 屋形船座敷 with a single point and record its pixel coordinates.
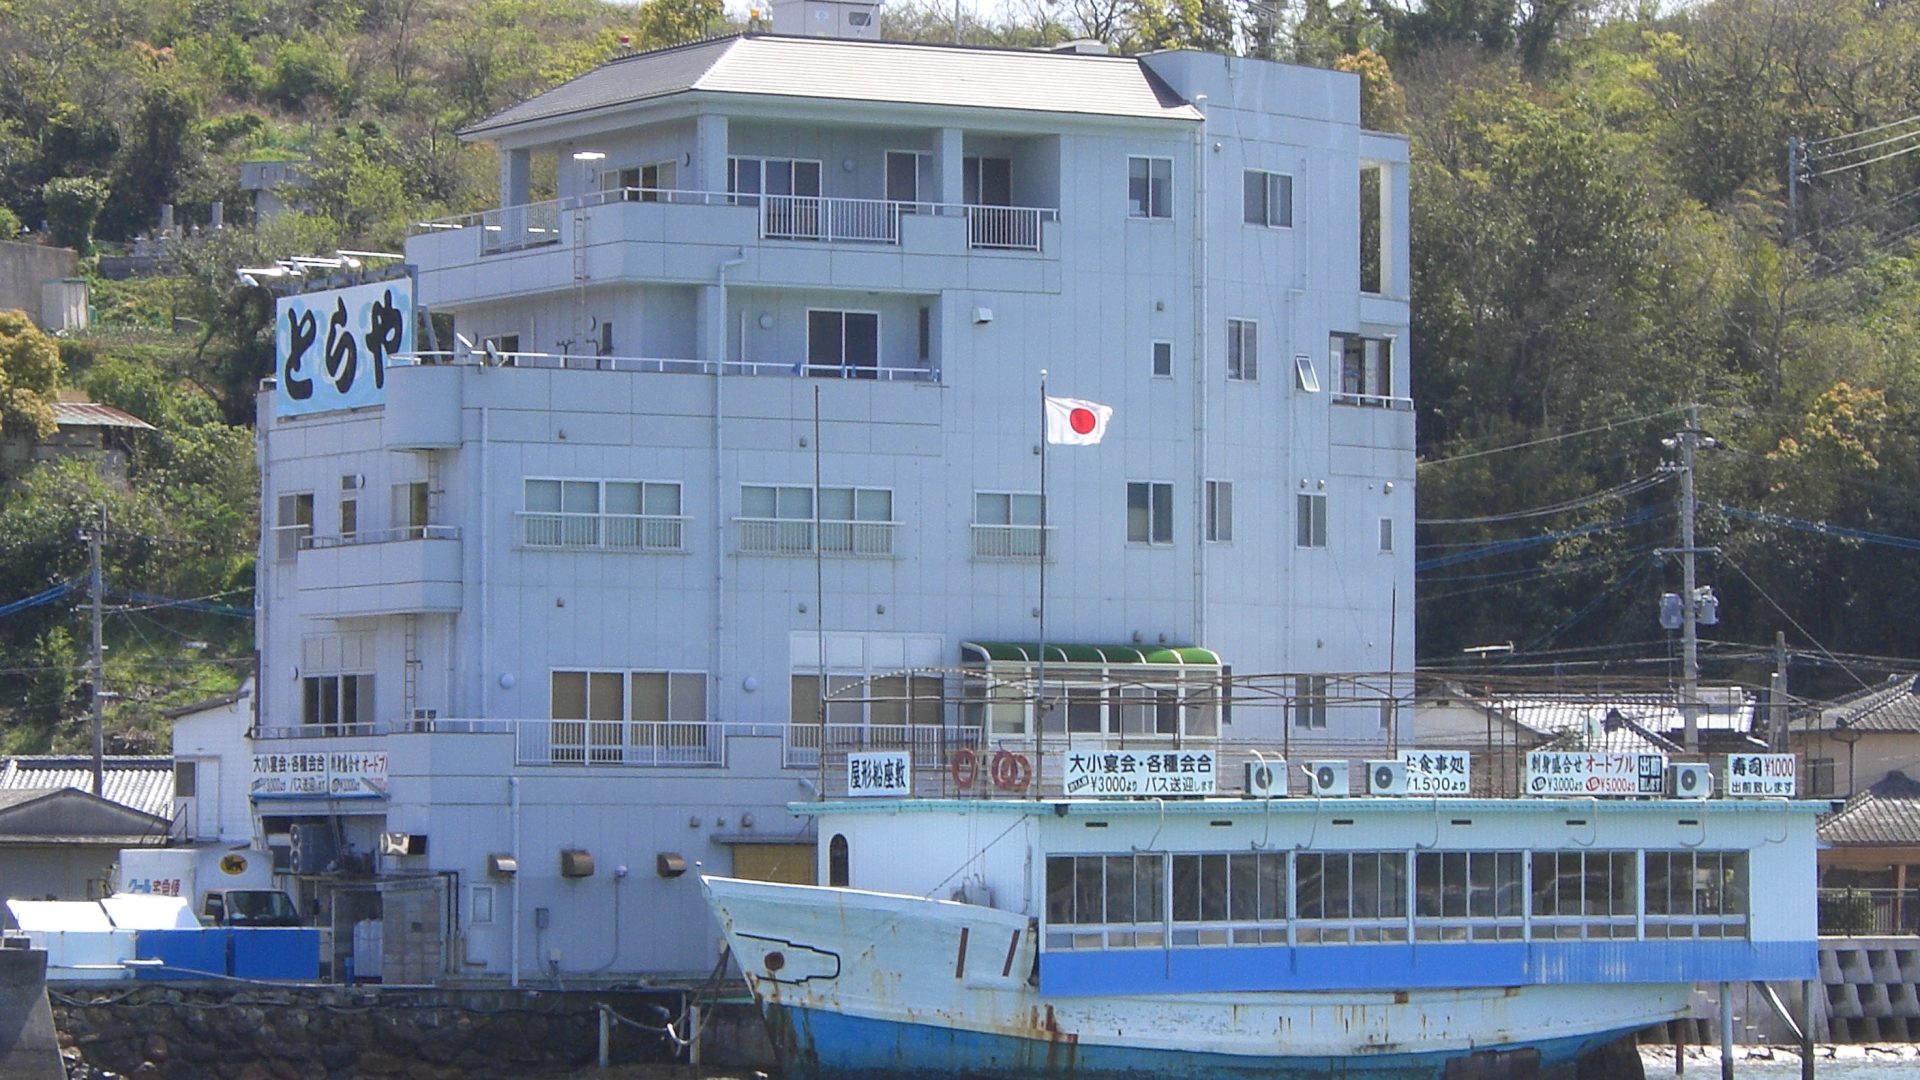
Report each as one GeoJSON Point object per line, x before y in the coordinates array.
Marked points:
{"type": "Point", "coordinates": [331, 348]}
{"type": "Point", "coordinates": [1595, 772]}
{"type": "Point", "coordinates": [879, 772]}
{"type": "Point", "coordinates": [1139, 772]}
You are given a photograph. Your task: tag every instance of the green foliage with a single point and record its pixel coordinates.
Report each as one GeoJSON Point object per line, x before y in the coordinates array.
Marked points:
{"type": "Point", "coordinates": [9, 224]}
{"type": "Point", "coordinates": [29, 376]}
{"type": "Point", "coordinates": [308, 73]}
{"type": "Point", "coordinates": [659, 23]}
{"type": "Point", "coordinates": [73, 205]}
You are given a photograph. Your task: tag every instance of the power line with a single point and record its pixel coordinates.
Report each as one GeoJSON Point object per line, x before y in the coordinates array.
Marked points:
{"type": "Point", "coordinates": [1820, 528]}
{"type": "Point", "coordinates": [1631, 487]}
{"type": "Point", "coordinates": [1902, 152]}
{"type": "Point", "coordinates": [45, 596]}
{"type": "Point", "coordinates": [1768, 597]}
{"type": "Point", "coordinates": [1608, 426]}
{"type": "Point", "coordinates": [1502, 547]}
{"type": "Point", "coordinates": [1863, 131]}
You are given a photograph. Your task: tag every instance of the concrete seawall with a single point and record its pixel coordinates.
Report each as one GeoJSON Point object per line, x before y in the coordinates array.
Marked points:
{"type": "Point", "coordinates": [29, 1047]}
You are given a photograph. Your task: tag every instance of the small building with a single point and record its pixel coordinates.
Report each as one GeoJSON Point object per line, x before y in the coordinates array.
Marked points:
{"type": "Point", "coordinates": [1870, 848]}
{"type": "Point", "coordinates": [43, 281]}
{"type": "Point", "coordinates": [274, 186]}
{"type": "Point", "coordinates": [86, 430]}
{"type": "Point", "coordinates": [60, 843]}
{"type": "Point", "coordinates": [210, 768]}
{"type": "Point", "coordinates": [1859, 740]}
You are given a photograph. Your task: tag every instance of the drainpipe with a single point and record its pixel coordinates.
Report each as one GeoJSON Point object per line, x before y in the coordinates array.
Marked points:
{"type": "Point", "coordinates": [513, 966]}
{"type": "Point", "coordinates": [719, 351]}
{"type": "Point", "coordinates": [1202, 317]}
{"type": "Point", "coordinates": [480, 576]}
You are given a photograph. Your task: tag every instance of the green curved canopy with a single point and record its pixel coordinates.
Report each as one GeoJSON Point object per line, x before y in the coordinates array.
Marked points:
{"type": "Point", "coordinates": [980, 652]}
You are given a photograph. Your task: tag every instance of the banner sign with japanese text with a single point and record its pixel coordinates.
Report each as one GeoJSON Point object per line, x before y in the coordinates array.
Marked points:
{"type": "Point", "coordinates": [1438, 772]}
{"type": "Point", "coordinates": [1760, 774]}
{"type": "Point", "coordinates": [879, 772]}
{"type": "Point", "coordinates": [331, 348]}
{"type": "Point", "coordinates": [358, 774]}
{"type": "Point", "coordinates": [1595, 772]}
{"type": "Point", "coordinates": [1139, 772]}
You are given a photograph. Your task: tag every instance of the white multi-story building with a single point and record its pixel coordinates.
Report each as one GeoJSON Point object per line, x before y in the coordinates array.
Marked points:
{"type": "Point", "coordinates": [754, 398]}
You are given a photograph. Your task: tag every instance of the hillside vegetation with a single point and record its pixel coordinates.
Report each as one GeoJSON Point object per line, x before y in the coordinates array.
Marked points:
{"type": "Point", "coordinates": [1602, 234]}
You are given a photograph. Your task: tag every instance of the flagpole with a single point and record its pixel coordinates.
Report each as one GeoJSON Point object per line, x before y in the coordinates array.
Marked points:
{"type": "Point", "coordinates": [1040, 693]}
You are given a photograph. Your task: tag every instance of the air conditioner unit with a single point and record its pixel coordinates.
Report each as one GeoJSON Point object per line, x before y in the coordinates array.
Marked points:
{"type": "Point", "coordinates": [1386, 778]}
{"type": "Point", "coordinates": [1329, 779]}
{"type": "Point", "coordinates": [1266, 779]}
{"type": "Point", "coordinates": [1690, 781]}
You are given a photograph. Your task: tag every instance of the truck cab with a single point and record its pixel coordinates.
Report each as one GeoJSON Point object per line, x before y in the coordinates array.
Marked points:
{"type": "Point", "coordinates": [249, 907]}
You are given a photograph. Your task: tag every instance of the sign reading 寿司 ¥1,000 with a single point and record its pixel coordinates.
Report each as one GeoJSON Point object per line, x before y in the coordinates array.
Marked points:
{"type": "Point", "coordinates": [331, 348]}
{"type": "Point", "coordinates": [1595, 772]}
{"type": "Point", "coordinates": [1139, 772]}
{"type": "Point", "coordinates": [879, 772]}
{"type": "Point", "coordinates": [337, 775]}
{"type": "Point", "coordinates": [1760, 774]}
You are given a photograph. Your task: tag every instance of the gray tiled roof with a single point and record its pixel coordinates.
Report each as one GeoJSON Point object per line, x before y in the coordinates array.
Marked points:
{"type": "Point", "coordinates": [1887, 814]}
{"type": "Point", "coordinates": [1893, 705]}
{"type": "Point", "coordinates": [143, 783]}
{"type": "Point", "coordinates": [1593, 723]}
{"type": "Point", "coordinates": [868, 71]}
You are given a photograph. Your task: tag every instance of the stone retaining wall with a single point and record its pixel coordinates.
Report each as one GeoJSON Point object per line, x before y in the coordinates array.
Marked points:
{"type": "Point", "coordinates": [336, 1033]}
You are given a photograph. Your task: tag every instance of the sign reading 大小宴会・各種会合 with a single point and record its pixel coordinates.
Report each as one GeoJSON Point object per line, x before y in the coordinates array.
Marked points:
{"type": "Point", "coordinates": [879, 772]}
{"type": "Point", "coordinates": [338, 775]}
{"type": "Point", "coordinates": [331, 348]}
{"type": "Point", "coordinates": [1596, 772]}
{"type": "Point", "coordinates": [1139, 772]}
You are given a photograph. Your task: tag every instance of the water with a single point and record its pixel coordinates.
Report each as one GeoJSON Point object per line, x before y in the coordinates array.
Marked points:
{"type": "Point", "coordinates": [1899, 1060]}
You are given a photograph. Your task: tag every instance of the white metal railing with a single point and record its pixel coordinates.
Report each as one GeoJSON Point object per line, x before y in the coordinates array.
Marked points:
{"type": "Point", "coordinates": [397, 534]}
{"type": "Point", "coordinates": [781, 217]}
{"type": "Point", "coordinates": [794, 536]}
{"type": "Point", "coordinates": [602, 532]}
{"type": "Point", "coordinates": [929, 743]}
{"type": "Point", "coordinates": [667, 365]}
{"type": "Point", "coordinates": [1376, 401]}
{"type": "Point", "coordinates": [1015, 543]}
{"type": "Point", "coordinates": [672, 743]}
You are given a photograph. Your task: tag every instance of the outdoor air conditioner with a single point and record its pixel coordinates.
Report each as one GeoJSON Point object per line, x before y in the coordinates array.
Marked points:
{"type": "Point", "coordinates": [1691, 781]}
{"type": "Point", "coordinates": [1386, 778]}
{"type": "Point", "coordinates": [1329, 779]}
{"type": "Point", "coordinates": [1266, 779]}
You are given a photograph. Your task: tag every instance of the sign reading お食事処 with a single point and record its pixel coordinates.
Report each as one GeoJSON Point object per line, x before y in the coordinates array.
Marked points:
{"type": "Point", "coordinates": [1760, 774]}
{"type": "Point", "coordinates": [1139, 772]}
{"type": "Point", "coordinates": [337, 775]}
{"type": "Point", "coordinates": [1438, 772]}
{"type": "Point", "coordinates": [879, 772]}
{"type": "Point", "coordinates": [1595, 772]}
{"type": "Point", "coordinates": [331, 348]}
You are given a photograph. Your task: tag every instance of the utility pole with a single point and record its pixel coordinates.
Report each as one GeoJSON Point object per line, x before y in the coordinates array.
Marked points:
{"type": "Point", "coordinates": [99, 655]}
{"type": "Point", "coordinates": [1686, 441]}
{"type": "Point", "coordinates": [1777, 695]}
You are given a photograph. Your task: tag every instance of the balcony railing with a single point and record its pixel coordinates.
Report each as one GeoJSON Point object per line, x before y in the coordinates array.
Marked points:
{"type": "Point", "coordinates": [928, 743]}
{"type": "Point", "coordinates": [781, 217]}
{"type": "Point", "coordinates": [395, 535]}
{"type": "Point", "coordinates": [1374, 401]}
{"type": "Point", "coordinates": [668, 365]}
{"type": "Point", "coordinates": [1870, 912]}
{"type": "Point", "coordinates": [1011, 543]}
{"type": "Point", "coordinates": [602, 532]}
{"type": "Point", "coordinates": [668, 743]}
{"type": "Point", "coordinates": [794, 536]}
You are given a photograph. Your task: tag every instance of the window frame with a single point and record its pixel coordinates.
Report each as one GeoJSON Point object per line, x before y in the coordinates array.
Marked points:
{"type": "Point", "coordinates": [845, 370]}
{"type": "Point", "coordinates": [1243, 350]}
{"type": "Point", "coordinates": [1219, 511]}
{"type": "Point", "coordinates": [858, 543]}
{"type": "Point", "coordinates": [1268, 179]}
{"type": "Point", "coordinates": [1159, 349]}
{"type": "Point", "coordinates": [314, 701]}
{"type": "Point", "coordinates": [288, 535]}
{"type": "Point", "coordinates": [1310, 520]}
{"type": "Point", "coordinates": [1155, 205]}
{"type": "Point", "coordinates": [619, 737]}
{"type": "Point", "coordinates": [1024, 540]}
{"type": "Point", "coordinates": [1159, 531]}
{"type": "Point", "coordinates": [600, 524]}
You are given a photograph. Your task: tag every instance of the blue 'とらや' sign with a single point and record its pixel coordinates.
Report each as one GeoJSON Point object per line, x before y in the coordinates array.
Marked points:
{"type": "Point", "coordinates": [331, 348]}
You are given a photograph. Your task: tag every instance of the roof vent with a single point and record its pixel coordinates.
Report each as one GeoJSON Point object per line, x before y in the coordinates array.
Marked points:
{"type": "Point", "coordinates": [1083, 47]}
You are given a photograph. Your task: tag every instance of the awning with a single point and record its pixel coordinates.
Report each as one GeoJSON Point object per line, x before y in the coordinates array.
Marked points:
{"type": "Point", "coordinates": [982, 652]}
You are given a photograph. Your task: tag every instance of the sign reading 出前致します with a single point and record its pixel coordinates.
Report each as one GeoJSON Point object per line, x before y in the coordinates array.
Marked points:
{"type": "Point", "coordinates": [331, 348]}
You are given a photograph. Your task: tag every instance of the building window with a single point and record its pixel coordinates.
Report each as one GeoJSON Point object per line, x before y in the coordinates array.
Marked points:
{"type": "Point", "coordinates": [1365, 366]}
{"type": "Point", "coordinates": [882, 712]}
{"type": "Point", "coordinates": [411, 508]}
{"type": "Point", "coordinates": [1243, 350]}
{"type": "Point", "coordinates": [1310, 702]}
{"type": "Point", "coordinates": [1163, 359]}
{"type": "Point", "coordinates": [628, 717]}
{"type": "Point", "coordinates": [616, 515]}
{"type": "Point", "coordinates": [335, 703]}
{"type": "Point", "coordinates": [784, 179]}
{"type": "Point", "coordinates": [1150, 187]}
{"type": "Point", "coordinates": [986, 181]}
{"type": "Point", "coordinates": [293, 523]}
{"type": "Point", "coordinates": [843, 344]}
{"type": "Point", "coordinates": [186, 775]}
{"type": "Point", "coordinates": [1269, 198]}
{"type": "Point", "coordinates": [1220, 511]}
{"type": "Point", "coordinates": [1820, 777]}
{"type": "Point", "coordinates": [1386, 534]}
{"type": "Point", "coordinates": [1307, 379]}
{"type": "Point", "coordinates": [926, 333]}
{"type": "Point", "coordinates": [604, 347]}
{"type": "Point", "coordinates": [1149, 513]}
{"type": "Point", "coordinates": [481, 905]}
{"type": "Point", "coordinates": [779, 520]}
{"type": "Point", "coordinates": [909, 176]}
{"type": "Point", "coordinates": [1006, 525]}
{"type": "Point", "coordinates": [656, 178]}
{"type": "Point", "coordinates": [350, 505]}
{"type": "Point", "coordinates": [837, 875]}
{"type": "Point", "coordinates": [1310, 521]}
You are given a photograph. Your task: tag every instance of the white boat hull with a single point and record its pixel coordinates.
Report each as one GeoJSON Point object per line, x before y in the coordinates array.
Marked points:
{"type": "Point", "coordinates": [857, 982]}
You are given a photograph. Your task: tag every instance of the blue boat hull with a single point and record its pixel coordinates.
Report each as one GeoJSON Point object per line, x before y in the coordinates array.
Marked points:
{"type": "Point", "coordinates": [822, 1045]}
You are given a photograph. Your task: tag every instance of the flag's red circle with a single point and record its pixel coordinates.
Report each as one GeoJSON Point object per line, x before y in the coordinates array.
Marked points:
{"type": "Point", "coordinates": [1082, 421]}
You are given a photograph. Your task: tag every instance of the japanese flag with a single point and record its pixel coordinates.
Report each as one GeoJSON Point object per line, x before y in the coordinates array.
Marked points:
{"type": "Point", "coordinates": [1076, 422]}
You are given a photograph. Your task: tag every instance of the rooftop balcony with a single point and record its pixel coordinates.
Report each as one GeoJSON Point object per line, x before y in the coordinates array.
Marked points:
{"type": "Point", "coordinates": [410, 570]}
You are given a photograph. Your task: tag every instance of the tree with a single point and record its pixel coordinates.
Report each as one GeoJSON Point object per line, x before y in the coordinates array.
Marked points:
{"type": "Point", "coordinates": [659, 23]}
{"type": "Point", "coordinates": [73, 204]}
{"type": "Point", "coordinates": [29, 376]}
{"type": "Point", "coordinates": [1180, 24]}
